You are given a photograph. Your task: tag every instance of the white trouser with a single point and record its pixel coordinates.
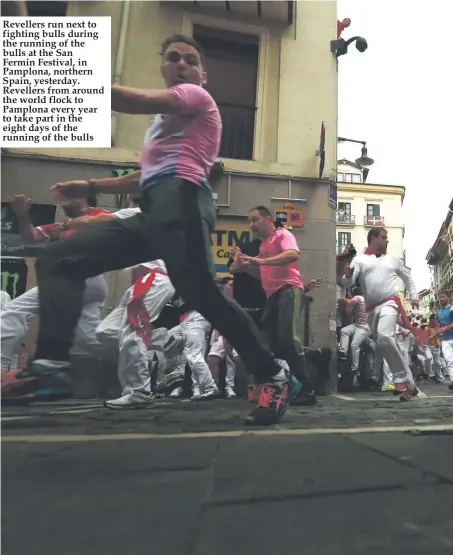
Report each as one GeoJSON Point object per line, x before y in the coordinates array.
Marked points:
{"type": "Point", "coordinates": [359, 335]}
{"type": "Point", "coordinates": [447, 351]}
{"type": "Point", "coordinates": [18, 314]}
{"type": "Point", "coordinates": [219, 350]}
{"type": "Point", "coordinates": [116, 332]}
{"type": "Point", "coordinates": [195, 329]}
{"type": "Point", "coordinates": [174, 352]}
{"type": "Point", "coordinates": [403, 342]}
{"type": "Point", "coordinates": [383, 328]}
{"type": "Point", "coordinates": [379, 366]}
{"type": "Point", "coordinates": [437, 368]}
{"type": "Point", "coordinates": [428, 368]}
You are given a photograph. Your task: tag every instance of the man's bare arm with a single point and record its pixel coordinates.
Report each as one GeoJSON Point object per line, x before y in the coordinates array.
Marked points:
{"type": "Point", "coordinates": [282, 259]}
{"type": "Point", "coordinates": [248, 269]}
{"type": "Point", "coordinates": [85, 221]}
{"type": "Point", "coordinates": [128, 100]}
{"type": "Point", "coordinates": [127, 183]}
{"type": "Point", "coordinates": [30, 235]}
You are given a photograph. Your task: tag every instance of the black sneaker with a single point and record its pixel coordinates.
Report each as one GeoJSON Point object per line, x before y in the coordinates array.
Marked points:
{"type": "Point", "coordinates": [374, 384]}
{"type": "Point", "coordinates": [305, 399]}
{"type": "Point", "coordinates": [273, 400]}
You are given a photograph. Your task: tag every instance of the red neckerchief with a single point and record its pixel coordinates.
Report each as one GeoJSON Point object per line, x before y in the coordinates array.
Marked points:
{"type": "Point", "coordinates": [370, 250]}
{"type": "Point", "coordinates": [418, 334]}
{"type": "Point", "coordinates": [137, 314]}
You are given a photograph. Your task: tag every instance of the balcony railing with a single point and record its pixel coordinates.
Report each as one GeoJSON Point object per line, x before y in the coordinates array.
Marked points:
{"type": "Point", "coordinates": [374, 221]}
{"type": "Point", "coordinates": [344, 218]}
{"type": "Point", "coordinates": [238, 131]}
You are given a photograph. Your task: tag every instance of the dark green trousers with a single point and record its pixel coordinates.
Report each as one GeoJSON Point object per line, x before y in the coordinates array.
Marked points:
{"type": "Point", "coordinates": [280, 323]}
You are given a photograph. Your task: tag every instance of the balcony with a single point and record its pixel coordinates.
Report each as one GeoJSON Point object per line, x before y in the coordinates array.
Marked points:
{"type": "Point", "coordinates": [238, 130]}
{"type": "Point", "coordinates": [373, 221]}
{"type": "Point", "coordinates": [343, 218]}
{"type": "Point", "coordinates": [276, 11]}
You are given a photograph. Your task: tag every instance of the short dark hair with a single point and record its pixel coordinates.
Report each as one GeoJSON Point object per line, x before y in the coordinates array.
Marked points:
{"type": "Point", "coordinates": [263, 211]}
{"type": "Point", "coordinates": [374, 232]}
{"type": "Point", "coordinates": [445, 292]}
{"type": "Point", "coordinates": [186, 40]}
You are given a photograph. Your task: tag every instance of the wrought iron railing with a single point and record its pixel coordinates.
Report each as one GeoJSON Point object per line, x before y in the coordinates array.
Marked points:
{"type": "Point", "coordinates": [345, 218]}
{"type": "Point", "coordinates": [374, 221]}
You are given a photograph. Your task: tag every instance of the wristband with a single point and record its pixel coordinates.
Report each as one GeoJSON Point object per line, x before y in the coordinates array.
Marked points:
{"type": "Point", "coordinates": [91, 188]}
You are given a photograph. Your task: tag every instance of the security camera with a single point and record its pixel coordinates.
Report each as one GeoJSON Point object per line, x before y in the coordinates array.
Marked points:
{"type": "Point", "coordinates": [361, 44]}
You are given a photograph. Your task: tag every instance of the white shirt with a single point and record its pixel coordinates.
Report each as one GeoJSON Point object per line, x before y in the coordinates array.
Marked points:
{"type": "Point", "coordinates": [360, 313]}
{"type": "Point", "coordinates": [377, 277]}
{"type": "Point", "coordinates": [4, 299]}
{"type": "Point", "coordinates": [127, 212]}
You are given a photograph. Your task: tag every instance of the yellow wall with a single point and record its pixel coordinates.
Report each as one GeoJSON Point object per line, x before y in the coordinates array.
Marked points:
{"type": "Point", "coordinates": [390, 201]}
{"type": "Point", "coordinates": [297, 82]}
{"type": "Point", "coordinates": [227, 234]}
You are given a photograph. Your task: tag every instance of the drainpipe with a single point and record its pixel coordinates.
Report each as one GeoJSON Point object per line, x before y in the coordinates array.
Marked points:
{"type": "Point", "coordinates": [120, 55]}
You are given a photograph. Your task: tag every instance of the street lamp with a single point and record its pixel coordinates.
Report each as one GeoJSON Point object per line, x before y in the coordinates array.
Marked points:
{"type": "Point", "coordinates": [364, 161]}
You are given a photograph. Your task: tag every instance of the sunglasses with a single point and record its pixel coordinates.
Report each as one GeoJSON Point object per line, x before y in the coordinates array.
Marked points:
{"type": "Point", "coordinates": [175, 56]}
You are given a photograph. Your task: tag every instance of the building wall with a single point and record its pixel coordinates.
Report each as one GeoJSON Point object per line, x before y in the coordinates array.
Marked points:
{"type": "Point", "coordinates": [389, 199]}
{"type": "Point", "coordinates": [297, 80]}
{"type": "Point", "coordinates": [440, 256]}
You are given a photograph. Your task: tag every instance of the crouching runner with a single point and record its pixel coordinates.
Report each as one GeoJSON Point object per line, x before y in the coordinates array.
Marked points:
{"type": "Point", "coordinates": [130, 327]}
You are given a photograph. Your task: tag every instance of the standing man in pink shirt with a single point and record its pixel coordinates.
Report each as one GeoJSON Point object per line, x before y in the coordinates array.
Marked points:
{"type": "Point", "coordinates": [277, 265]}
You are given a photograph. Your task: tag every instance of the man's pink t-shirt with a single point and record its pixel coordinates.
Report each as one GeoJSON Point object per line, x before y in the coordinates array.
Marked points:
{"type": "Point", "coordinates": [274, 278]}
{"type": "Point", "coordinates": [185, 144]}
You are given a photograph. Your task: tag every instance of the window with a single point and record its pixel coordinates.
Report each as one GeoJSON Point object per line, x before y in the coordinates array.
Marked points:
{"type": "Point", "coordinates": [373, 210]}
{"type": "Point", "coordinates": [343, 240]}
{"type": "Point", "coordinates": [340, 176]}
{"type": "Point", "coordinates": [47, 9]}
{"type": "Point", "coordinates": [353, 178]}
{"type": "Point", "coordinates": [233, 73]}
{"type": "Point", "coordinates": [344, 212]}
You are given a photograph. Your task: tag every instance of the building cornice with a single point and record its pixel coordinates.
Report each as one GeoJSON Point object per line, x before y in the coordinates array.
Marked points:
{"type": "Point", "coordinates": [372, 188]}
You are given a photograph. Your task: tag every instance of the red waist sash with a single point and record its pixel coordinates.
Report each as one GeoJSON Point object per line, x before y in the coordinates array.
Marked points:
{"type": "Point", "coordinates": [418, 334]}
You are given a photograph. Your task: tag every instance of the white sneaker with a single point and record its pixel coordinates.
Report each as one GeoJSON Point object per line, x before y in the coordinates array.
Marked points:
{"type": "Point", "coordinates": [135, 400]}
{"type": "Point", "coordinates": [177, 392]}
{"type": "Point", "coordinates": [229, 393]}
{"type": "Point", "coordinates": [196, 394]}
{"type": "Point", "coordinates": [282, 376]}
{"type": "Point", "coordinates": [208, 396]}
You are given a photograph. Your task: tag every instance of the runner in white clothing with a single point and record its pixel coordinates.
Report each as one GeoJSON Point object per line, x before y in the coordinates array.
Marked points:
{"type": "Point", "coordinates": [18, 314]}
{"type": "Point", "coordinates": [195, 328]}
{"type": "Point", "coordinates": [132, 331]}
{"type": "Point", "coordinates": [376, 271]}
{"type": "Point", "coordinates": [222, 350]}
{"type": "Point", "coordinates": [359, 331]}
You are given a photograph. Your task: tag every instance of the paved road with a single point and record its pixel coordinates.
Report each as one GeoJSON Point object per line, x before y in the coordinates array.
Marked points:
{"type": "Point", "coordinates": [365, 476]}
